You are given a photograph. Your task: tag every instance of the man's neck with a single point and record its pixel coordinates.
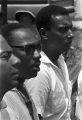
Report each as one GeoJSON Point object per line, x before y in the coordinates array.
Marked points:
{"type": "Point", "coordinates": [55, 60]}
{"type": "Point", "coordinates": [56, 63]}
{"type": "Point", "coordinates": [21, 81]}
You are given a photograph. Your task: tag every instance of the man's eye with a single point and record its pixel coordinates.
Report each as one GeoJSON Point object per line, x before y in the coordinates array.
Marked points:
{"type": "Point", "coordinates": [5, 55]}
{"type": "Point", "coordinates": [64, 29]}
{"type": "Point", "coordinates": [21, 48]}
{"type": "Point", "coordinates": [29, 49]}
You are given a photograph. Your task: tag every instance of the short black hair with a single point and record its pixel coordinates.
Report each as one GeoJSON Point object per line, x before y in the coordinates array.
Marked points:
{"type": "Point", "coordinates": [43, 18]}
{"type": "Point", "coordinates": [7, 29]}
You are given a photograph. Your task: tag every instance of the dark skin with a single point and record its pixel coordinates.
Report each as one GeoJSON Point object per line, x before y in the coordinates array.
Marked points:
{"type": "Point", "coordinates": [58, 39]}
{"type": "Point", "coordinates": [8, 71]}
{"type": "Point", "coordinates": [30, 55]}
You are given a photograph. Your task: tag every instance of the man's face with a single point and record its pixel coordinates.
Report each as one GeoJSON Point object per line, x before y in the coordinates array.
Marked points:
{"type": "Point", "coordinates": [60, 35]}
{"type": "Point", "coordinates": [27, 47]}
{"type": "Point", "coordinates": [8, 72]}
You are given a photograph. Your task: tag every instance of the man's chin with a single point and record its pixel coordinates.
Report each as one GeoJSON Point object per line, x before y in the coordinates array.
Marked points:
{"type": "Point", "coordinates": [11, 85]}
{"type": "Point", "coordinates": [34, 73]}
{"type": "Point", "coordinates": [15, 84]}
{"type": "Point", "coordinates": [31, 73]}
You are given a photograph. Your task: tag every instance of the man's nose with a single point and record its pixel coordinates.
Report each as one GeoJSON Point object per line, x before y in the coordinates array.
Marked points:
{"type": "Point", "coordinates": [15, 60]}
{"type": "Point", "coordinates": [37, 54]}
{"type": "Point", "coordinates": [70, 34]}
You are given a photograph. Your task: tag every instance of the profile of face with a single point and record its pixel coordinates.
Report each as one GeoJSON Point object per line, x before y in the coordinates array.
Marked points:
{"type": "Point", "coordinates": [8, 72]}
{"type": "Point", "coordinates": [60, 35]}
{"type": "Point", "coordinates": [27, 47]}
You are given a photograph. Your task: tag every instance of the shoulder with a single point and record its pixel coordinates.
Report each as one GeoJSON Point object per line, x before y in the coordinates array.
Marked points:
{"type": "Point", "coordinates": [8, 114]}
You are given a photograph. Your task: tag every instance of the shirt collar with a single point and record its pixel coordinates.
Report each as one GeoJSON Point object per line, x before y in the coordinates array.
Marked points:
{"type": "Point", "coordinates": [21, 94]}
{"type": "Point", "coordinates": [45, 59]}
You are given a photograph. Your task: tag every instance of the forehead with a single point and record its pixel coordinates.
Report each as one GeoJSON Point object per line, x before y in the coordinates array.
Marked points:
{"type": "Point", "coordinates": [4, 45]}
{"type": "Point", "coordinates": [61, 20]}
{"type": "Point", "coordinates": [25, 36]}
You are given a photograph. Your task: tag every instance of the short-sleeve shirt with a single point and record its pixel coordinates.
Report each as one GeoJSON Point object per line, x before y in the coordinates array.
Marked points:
{"type": "Point", "coordinates": [50, 89]}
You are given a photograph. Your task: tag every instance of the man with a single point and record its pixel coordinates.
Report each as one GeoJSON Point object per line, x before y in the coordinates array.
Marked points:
{"type": "Point", "coordinates": [8, 77]}
{"type": "Point", "coordinates": [26, 45]}
{"type": "Point", "coordinates": [51, 88]}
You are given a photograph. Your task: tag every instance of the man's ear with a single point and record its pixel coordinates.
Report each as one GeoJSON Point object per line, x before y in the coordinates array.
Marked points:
{"type": "Point", "coordinates": [43, 33]}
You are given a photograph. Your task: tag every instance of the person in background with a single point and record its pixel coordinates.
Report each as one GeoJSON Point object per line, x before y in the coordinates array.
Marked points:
{"type": "Point", "coordinates": [51, 89]}
{"type": "Point", "coordinates": [25, 17]}
{"type": "Point", "coordinates": [26, 44]}
{"type": "Point", "coordinates": [8, 77]}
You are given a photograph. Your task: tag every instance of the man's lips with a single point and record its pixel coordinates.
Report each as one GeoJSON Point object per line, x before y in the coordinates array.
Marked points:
{"type": "Point", "coordinates": [15, 74]}
{"type": "Point", "coordinates": [36, 66]}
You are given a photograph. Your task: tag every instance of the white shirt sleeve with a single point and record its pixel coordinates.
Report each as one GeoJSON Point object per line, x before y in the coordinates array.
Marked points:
{"type": "Point", "coordinates": [39, 88]}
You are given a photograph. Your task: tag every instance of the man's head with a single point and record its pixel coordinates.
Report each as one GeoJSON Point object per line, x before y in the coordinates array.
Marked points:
{"type": "Point", "coordinates": [54, 26]}
{"type": "Point", "coordinates": [26, 44]}
{"type": "Point", "coordinates": [25, 17]}
{"type": "Point", "coordinates": [8, 71]}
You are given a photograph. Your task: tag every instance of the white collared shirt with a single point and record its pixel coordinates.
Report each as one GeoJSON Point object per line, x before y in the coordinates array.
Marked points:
{"type": "Point", "coordinates": [50, 89]}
